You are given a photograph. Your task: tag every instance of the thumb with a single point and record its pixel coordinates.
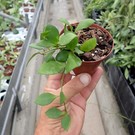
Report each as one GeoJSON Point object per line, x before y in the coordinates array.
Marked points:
{"type": "Point", "coordinates": [75, 85]}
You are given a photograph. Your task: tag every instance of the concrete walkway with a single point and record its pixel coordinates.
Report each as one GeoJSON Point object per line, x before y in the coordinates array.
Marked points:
{"type": "Point", "coordinates": [101, 112]}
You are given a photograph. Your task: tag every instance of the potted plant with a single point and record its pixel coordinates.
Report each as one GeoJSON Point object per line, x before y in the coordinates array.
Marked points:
{"type": "Point", "coordinates": [79, 47]}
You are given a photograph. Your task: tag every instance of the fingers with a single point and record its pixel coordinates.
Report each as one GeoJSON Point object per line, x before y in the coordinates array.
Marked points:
{"type": "Point", "coordinates": [54, 81]}
{"type": "Point", "coordinates": [83, 83]}
{"type": "Point", "coordinates": [95, 78]}
{"type": "Point", "coordinates": [75, 85]}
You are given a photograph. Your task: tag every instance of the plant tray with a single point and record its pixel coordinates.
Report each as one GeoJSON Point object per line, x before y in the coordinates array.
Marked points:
{"type": "Point", "coordinates": [124, 95]}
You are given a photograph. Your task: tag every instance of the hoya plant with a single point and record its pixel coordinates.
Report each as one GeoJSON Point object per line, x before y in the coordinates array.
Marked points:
{"type": "Point", "coordinates": [61, 55]}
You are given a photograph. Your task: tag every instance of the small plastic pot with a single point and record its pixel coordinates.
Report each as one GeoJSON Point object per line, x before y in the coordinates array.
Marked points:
{"type": "Point", "coordinates": [87, 67]}
{"type": "Point", "coordinates": [26, 9]}
{"type": "Point", "coordinates": [19, 43]}
{"type": "Point", "coordinates": [2, 48]}
{"type": "Point", "coordinates": [1, 63]}
{"type": "Point", "coordinates": [91, 66]}
{"type": "Point", "coordinates": [32, 10]}
{"type": "Point", "coordinates": [25, 4]}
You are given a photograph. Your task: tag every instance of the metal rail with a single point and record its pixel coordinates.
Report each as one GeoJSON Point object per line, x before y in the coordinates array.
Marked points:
{"type": "Point", "coordinates": [11, 98]}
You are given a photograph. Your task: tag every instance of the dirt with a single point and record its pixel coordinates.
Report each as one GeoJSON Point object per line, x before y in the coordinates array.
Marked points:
{"type": "Point", "coordinates": [103, 47]}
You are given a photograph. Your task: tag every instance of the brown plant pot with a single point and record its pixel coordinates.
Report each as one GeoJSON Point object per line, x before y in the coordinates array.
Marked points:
{"type": "Point", "coordinates": [25, 4]}
{"type": "Point", "coordinates": [8, 56]}
{"type": "Point", "coordinates": [19, 43]}
{"type": "Point", "coordinates": [2, 48]}
{"type": "Point", "coordinates": [26, 9]}
{"type": "Point", "coordinates": [2, 62]}
{"type": "Point", "coordinates": [32, 10]}
{"type": "Point", "coordinates": [8, 70]}
{"type": "Point", "coordinates": [91, 66]}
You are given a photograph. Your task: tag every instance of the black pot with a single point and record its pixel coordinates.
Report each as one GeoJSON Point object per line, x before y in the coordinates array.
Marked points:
{"type": "Point", "coordinates": [124, 95]}
{"type": "Point", "coordinates": [132, 79]}
{"type": "Point", "coordinates": [95, 14]}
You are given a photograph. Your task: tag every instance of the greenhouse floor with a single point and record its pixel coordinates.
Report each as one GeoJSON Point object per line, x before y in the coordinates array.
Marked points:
{"type": "Point", "coordinates": [102, 110]}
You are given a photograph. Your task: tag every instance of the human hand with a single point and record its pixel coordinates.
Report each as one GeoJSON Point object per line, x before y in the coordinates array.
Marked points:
{"type": "Point", "coordinates": [77, 91]}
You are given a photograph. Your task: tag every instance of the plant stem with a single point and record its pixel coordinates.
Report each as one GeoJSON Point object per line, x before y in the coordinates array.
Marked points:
{"type": "Point", "coordinates": [61, 85]}
{"type": "Point", "coordinates": [45, 51]}
{"type": "Point", "coordinates": [62, 81]}
{"type": "Point", "coordinates": [132, 121]}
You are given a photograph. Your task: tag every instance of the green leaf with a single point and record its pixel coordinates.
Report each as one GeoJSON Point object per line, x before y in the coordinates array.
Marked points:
{"type": "Point", "coordinates": [132, 40]}
{"type": "Point", "coordinates": [35, 46]}
{"type": "Point", "coordinates": [62, 98]}
{"type": "Point", "coordinates": [112, 61]}
{"type": "Point", "coordinates": [131, 9]}
{"type": "Point", "coordinates": [49, 56]}
{"type": "Point", "coordinates": [51, 34]}
{"type": "Point", "coordinates": [115, 4]}
{"type": "Point", "coordinates": [125, 32]}
{"type": "Point", "coordinates": [89, 45]}
{"type": "Point", "coordinates": [65, 21]}
{"type": "Point", "coordinates": [65, 122]}
{"type": "Point", "coordinates": [132, 27]}
{"type": "Point", "coordinates": [42, 44]}
{"type": "Point", "coordinates": [54, 113]}
{"type": "Point", "coordinates": [62, 56]}
{"type": "Point", "coordinates": [67, 38]}
{"type": "Point", "coordinates": [45, 99]}
{"type": "Point", "coordinates": [71, 46]}
{"type": "Point", "coordinates": [32, 57]}
{"type": "Point", "coordinates": [126, 73]}
{"type": "Point", "coordinates": [84, 24]}
{"type": "Point", "coordinates": [130, 47]}
{"type": "Point", "coordinates": [15, 31]}
{"type": "Point", "coordinates": [78, 51]}
{"type": "Point", "coordinates": [72, 62]}
{"type": "Point", "coordinates": [51, 67]}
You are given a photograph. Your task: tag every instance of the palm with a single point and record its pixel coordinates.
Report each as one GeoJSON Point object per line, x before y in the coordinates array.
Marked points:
{"type": "Point", "coordinates": [77, 112]}
{"type": "Point", "coordinates": [76, 104]}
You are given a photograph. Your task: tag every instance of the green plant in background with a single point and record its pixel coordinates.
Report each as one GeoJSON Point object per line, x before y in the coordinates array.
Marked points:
{"type": "Point", "coordinates": [60, 54]}
{"type": "Point", "coordinates": [118, 17]}
{"type": "Point", "coordinates": [96, 5]}
{"type": "Point", "coordinates": [1, 75]}
{"type": "Point", "coordinates": [33, 1]}
{"type": "Point", "coordinates": [86, 2]}
{"type": "Point", "coordinates": [4, 25]}
{"type": "Point", "coordinates": [120, 21]}
{"type": "Point", "coordinates": [8, 53]}
{"type": "Point", "coordinates": [10, 7]}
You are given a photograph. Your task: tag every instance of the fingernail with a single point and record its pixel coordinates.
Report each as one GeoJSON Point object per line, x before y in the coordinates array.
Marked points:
{"type": "Point", "coordinates": [85, 79]}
